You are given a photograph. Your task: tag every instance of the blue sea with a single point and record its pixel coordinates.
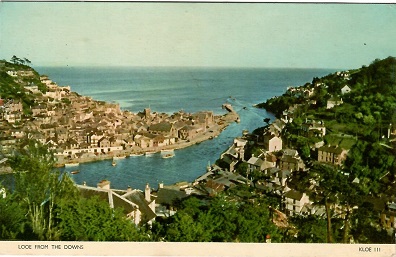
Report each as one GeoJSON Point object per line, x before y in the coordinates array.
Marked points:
{"type": "Point", "coordinates": [170, 90]}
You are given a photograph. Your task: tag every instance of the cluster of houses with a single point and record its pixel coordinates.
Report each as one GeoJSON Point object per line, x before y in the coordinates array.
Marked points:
{"type": "Point", "coordinates": [79, 127]}
{"type": "Point", "coordinates": [308, 91]}
{"type": "Point", "coordinates": [275, 163]}
{"type": "Point", "coordinates": [278, 164]}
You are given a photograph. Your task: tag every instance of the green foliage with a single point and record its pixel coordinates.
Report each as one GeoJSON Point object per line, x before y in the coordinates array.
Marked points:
{"type": "Point", "coordinates": [93, 220]}
{"type": "Point", "coordinates": [367, 110]}
{"type": "Point", "coordinates": [276, 105]}
{"type": "Point", "coordinates": [310, 229]}
{"type": "Point", "coordinates": [251, 150]}
{"type": "Point", "coordinates": [242, 168]}
{"type": "Point", "coordinates": [12, 220]}
{"type": "Point", "coordinates": [335, 188]}
{"type": "Point", "coordinates": [222, 220]}
{"type": "Point", "coordinates": [39, 188]}
{"type": "Point", "coordinates": [20, 61]}
{"type": "Point", "coordinates": [14, 89]}
{"type": "Point", "coordinates": [46, 205]}
{"type": "Point", "coordinates": [369, 162]}
{"type": "Point", "coordinates": [66, 101]}
{"type": "Point", "coordinates": [377, 77]}
{"type": "Point", "coordinates": [364, 232]}
{"type": "Point", "coordinates": [343, 141]}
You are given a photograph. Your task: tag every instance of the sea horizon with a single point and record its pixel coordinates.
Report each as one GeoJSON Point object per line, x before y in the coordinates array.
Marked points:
{"type": "Point", "coordinates": [93, 66]}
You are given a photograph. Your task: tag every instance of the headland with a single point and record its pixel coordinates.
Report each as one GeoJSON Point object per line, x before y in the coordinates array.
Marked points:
{"type": "Point", "coordinates": [80, 129]}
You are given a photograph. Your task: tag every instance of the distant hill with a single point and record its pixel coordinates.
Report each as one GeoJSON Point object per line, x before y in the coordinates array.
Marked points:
{"type": "Point", "coordinates": [368, 104]}
{"type": "Point", "coordinates": [14, 78]}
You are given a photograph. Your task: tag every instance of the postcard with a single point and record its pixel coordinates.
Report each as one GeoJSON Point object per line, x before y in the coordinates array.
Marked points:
{"type": "Point", "coordinates": [197, 128]}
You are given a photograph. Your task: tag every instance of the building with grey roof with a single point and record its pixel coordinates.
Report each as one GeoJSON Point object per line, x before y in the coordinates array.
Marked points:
{"type": "Point", "coordinates": [132, 202]}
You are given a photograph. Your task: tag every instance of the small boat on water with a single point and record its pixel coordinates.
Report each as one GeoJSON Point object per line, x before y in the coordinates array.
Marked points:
{"type": "Point", "coordinates": [113, 163]}
{"type": "Point", "coordinates": [135, 154]}
{"type": "Point", "coordinates": [149, 153]}
{"type": "Point", "coordinates": [166, 156]}
{"type": "Point", "coordinates": [167, 153]}
{"type": "Point", "coordinates": [75, 172]}
{"type": "Point", "coordinates": [119, 157]}
{"type": "Point", "coordinates": [72, 164]}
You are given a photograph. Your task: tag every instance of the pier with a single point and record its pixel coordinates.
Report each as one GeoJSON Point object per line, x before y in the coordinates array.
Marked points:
{"type": "Point", "coordinates": [228, 107]}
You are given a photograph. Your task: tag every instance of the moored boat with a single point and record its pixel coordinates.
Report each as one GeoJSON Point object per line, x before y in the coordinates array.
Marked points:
{"type": "Point", "coordinates": [119, 157]}
{"type": "Point", "coordinates": [168, 156]}
{"type": "Point", "coordinates": [135, 154]}
{"type": "Point", "coordinates": [114, 163]}
{"type": "Point", "coordinates": [75, 172]}
{"type": "Point", "coordinates": [167, 153]}
{"type": "Point", "coordinates": [149, 153]}
{"type": "Point", "coordinates": [71, 164]}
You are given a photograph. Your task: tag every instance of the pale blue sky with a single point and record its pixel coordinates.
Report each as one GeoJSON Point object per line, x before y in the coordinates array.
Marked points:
{"type": "Point", "coordinates": [198, 34]}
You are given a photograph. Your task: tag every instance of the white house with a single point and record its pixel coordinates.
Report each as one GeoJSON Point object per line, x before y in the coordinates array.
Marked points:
{"type": "Point", "coordinates": [272, 143]}
{"type": "Point", "coordinates": [12, 73]}
{"type": "Point", "coordinates": [333, 101]}
{"type": "Point", "coordinates": [3, 192]}
{"type": "Point", "coordinates": [295, 201]}
{"type": "Point", "coordinates": [345, 90]}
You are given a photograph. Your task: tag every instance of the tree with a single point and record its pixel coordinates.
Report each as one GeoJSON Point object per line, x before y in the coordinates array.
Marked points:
{"type": "Point", "coordinates": [242, 168]}
{"type": "Point", "coordinates": [184, 228]}
{"type": "Point", "coordinates": [93, 220]}
{"type": "Point", "coordinates": [364, 230]}
{"type": "Point", "coordinates": [27, 61]}
{"type": "Point", "coordinates": [14, 59]}
{"type": "Point", "coordinates": [335, 188]}
{"type": "Point", "coordinates": [328, 188]}
{"type": "Point", "coordinates": [369, 162]}
{"type": "Point", "coordinates": [39, 188]}
{"type": "Point", "coordinates": [315, 232]}
{"type": "Point", "coordinates": [224, 219]}
{"type": "Point", "coordinates": [13, 223]}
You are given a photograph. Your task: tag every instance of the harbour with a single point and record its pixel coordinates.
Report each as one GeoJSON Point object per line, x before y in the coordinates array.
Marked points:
{"type": "Point", "coordinates": [213, 86]}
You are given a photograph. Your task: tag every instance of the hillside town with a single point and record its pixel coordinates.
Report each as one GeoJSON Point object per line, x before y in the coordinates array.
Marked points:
{"type": "Point", "coordinates": [305, 162]}
{"type": "Point", "coordinates": [263, 161]}
{"type": "Point", "coordinates": [80, 129]}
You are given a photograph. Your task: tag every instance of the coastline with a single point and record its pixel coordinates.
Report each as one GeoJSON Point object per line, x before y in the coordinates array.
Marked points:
{"type": "Point", "coordinates": [105, 123]}
{"type": "Point", "coordinates": [215, 130]}
{"type": "Point", "coordinates": [224, 121]}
